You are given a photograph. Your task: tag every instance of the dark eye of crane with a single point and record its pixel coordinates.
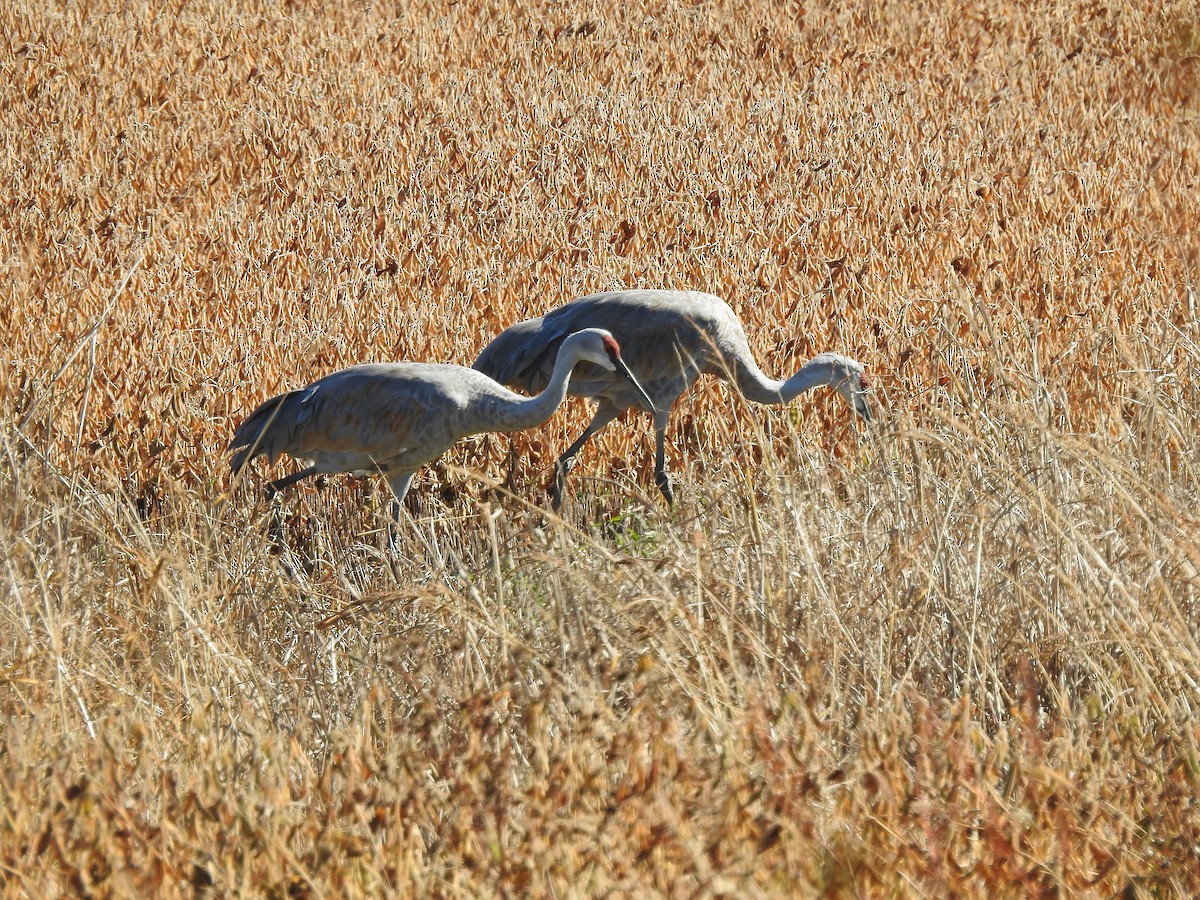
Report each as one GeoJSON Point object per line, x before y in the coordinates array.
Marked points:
{"type": "Point", "coordinates": [611, 347]}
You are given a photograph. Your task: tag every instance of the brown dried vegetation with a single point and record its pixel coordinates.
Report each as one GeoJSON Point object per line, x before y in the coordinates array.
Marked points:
{"type": "Point", "coordinates": [952, 655]}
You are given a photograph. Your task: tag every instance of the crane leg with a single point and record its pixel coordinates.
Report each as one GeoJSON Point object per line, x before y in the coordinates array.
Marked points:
{"type": "Point", "coordinates": [287, 481]}
{"type": "Point", "coordinates": [399, 484]}
{"type": "Point", "coordinates": [661, 478]}
{"type": "Point", "coordinates": [605, 413]}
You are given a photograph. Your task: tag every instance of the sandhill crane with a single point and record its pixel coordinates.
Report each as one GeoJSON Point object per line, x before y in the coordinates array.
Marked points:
{"type": "Point", "coordinates": [673, 337]}
{"type": "Point", "coordinates": [392, 418]}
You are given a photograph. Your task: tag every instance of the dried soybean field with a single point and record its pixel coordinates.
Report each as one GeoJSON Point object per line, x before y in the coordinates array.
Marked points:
{"type": "Point", "coordinates": [952, 653]}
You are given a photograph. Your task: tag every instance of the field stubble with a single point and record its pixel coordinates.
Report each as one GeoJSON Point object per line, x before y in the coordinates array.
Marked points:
{"type": "Point", "coordinates": [953, 653]}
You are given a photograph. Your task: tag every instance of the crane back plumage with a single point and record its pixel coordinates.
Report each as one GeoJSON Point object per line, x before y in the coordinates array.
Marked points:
{"type": "Point", "coordinates": [367, 418]}
{"type": "Point", "coordinates": [377, 417]}
{"type": "Point", "coordinates": [668, 338]}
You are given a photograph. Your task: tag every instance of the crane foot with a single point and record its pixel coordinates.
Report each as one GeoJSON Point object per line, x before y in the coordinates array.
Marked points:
{"type": "Point", "coordinates": [663, 480]}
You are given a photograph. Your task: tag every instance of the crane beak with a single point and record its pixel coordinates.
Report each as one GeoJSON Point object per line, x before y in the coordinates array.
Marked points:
{"type": "Point", "coordinates": [862, 407]}
{"type": "Point", "coordinates": [623, 371]}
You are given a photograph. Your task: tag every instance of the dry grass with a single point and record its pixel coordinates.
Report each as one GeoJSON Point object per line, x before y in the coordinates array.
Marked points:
{"type": "Point", "coordinates": [956, 654]}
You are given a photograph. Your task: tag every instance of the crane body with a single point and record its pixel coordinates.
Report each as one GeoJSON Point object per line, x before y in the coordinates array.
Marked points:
{"type": "Point", "coordinates": [673, 337]}
{"type": "Point", "coordinates": [392, 418]}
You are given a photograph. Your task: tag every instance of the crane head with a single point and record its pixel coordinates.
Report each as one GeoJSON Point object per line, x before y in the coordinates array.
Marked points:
{"type": "Point", "coordinates": [597, 346]}
{"type": "Point", "coordinates": [848, 377]}
{"type": "Point", "coordinates": [861, 406]}
{"type": "Point", "coordinates": [855, 387]}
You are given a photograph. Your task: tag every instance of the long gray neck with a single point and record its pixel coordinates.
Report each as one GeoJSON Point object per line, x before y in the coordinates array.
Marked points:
{"type": "Point", "coordinates": [521, 414]}
{"type": "Point", "coordinates": [756, 386]}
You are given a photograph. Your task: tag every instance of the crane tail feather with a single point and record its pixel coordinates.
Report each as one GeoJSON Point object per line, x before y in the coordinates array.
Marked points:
{"type": "Point", "coordinates": [267, 430]}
